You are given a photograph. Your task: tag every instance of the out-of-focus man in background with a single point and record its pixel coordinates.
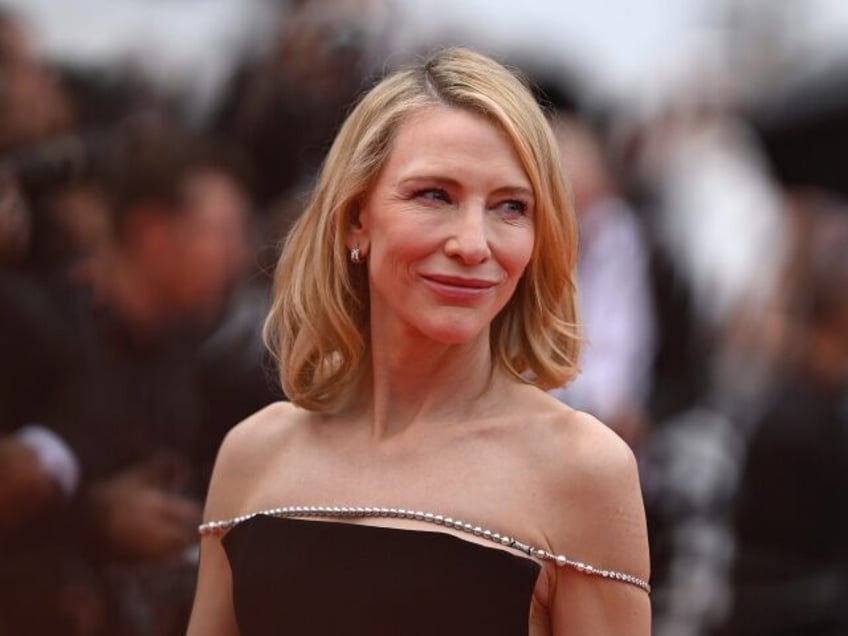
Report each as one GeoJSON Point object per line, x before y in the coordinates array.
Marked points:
{"type": "Point", "coordinates": [790, 519]}
{"type": "Point", "coordinates": [613, 286]}
{"type": "Point", "coordinates": [132, 399]}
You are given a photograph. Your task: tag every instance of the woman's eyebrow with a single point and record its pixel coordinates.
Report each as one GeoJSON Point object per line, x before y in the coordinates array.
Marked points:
{"type": "Point", "coordinates": [514, 190]}
{"type": "Point", "coordinates": [438, 179]}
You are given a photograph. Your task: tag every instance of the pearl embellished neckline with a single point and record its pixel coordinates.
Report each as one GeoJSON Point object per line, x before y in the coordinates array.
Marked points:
{"type": "Point", "coordinates": [357, 512]}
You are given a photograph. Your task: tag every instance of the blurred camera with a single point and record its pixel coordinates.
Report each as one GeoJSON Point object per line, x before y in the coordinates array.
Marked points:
{"type": "Point", "coordinates": [54, 162]}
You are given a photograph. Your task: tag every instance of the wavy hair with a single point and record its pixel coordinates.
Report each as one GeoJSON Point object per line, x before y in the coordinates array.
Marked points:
{"type": "Point", "coordinates": [318, 328]}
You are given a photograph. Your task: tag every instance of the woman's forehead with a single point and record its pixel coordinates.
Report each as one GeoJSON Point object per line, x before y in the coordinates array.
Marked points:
{"type": "Point", "coordinates": [453, 141]}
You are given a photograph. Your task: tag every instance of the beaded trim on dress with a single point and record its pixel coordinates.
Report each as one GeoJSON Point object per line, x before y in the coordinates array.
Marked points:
{"type": "Point", "coordinates": [357, 512]}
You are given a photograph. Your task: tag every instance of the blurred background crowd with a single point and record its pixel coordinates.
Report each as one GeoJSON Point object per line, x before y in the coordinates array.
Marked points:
{"type": "Point", "coordinates": [145, 189]}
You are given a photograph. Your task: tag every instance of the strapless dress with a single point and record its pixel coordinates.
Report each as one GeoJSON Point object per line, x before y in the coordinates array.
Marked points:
{"type": "Point", "coordinates": [296, 572]}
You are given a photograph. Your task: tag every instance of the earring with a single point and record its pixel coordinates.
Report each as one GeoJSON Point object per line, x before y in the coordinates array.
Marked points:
{"type": "Point", "coordinates": [355, 255]}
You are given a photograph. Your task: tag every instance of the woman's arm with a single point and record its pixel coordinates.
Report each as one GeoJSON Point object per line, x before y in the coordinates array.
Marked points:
{"type": "Point", "coordinates": [236, 474]}
{"type": "Point", "coordinates": [605, 528]}
{"type": "Point", "coordinates": [213, 614]}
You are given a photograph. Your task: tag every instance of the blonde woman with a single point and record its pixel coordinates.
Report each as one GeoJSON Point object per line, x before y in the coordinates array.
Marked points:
{"type": "Point", "coordinates": [421, 481]}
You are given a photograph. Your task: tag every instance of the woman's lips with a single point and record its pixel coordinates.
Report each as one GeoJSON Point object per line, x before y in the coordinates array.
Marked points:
{"type": "Point", "coordinates": [458, 287]}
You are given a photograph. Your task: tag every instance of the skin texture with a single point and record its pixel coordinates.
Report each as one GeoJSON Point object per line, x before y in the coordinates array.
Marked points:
{"type": "Point", "coordinates": [447, 231]}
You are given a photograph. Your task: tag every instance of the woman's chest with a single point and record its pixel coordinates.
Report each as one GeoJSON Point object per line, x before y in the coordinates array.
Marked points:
{"type": "Point", "coordinates": [488, 476]}
{"type": "Point", "coordinates": [485, 491]}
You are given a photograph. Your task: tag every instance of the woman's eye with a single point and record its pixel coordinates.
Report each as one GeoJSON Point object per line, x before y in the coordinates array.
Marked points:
{"type": "Point", "coordinates": [515, 206]}
{"type": "Point", "coordinates": [433, 194]}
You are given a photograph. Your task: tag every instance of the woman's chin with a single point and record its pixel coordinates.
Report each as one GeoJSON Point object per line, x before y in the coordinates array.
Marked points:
{"type": "Point", "coordinates": [455, 333]}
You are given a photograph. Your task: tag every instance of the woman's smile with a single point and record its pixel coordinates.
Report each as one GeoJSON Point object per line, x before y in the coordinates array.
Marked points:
{"type": "Point", "coordinates": [459, 288]}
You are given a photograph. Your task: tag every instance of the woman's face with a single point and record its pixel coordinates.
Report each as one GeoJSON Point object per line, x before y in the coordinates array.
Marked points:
{"type": "Point", "coordinates": [447, 228]}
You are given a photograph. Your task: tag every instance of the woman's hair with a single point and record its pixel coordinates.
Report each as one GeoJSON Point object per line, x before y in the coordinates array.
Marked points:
{"type": "Point", "coordinates": [318, 324]}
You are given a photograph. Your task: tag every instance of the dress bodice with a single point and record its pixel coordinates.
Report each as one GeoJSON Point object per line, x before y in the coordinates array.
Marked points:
{"type": "Point", "coordinates": [294, 576]}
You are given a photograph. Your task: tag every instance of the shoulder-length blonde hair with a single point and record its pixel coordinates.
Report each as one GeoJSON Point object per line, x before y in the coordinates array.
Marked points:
{"type": "Point", "coordinates": [318, 324]}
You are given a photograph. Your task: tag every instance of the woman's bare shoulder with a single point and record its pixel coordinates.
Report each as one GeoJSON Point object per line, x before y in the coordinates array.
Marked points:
{"type": "Point", "coordinates": [590, 509]}
{"type": "Point", "coordinates": [590, 503]}
{"type": "Point", "coordinates": [572, 441]}
{"type": "Point", "coordinates": [269, 423]}
{"type": "Point", "coordinates": [576, 444]}
{"type": "Point", "coordinates": [247, 450]}
{"type": "Point", "coordinates": [592, 450]}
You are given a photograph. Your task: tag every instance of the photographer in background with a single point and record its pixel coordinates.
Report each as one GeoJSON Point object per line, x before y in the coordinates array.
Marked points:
{"type": "Point", "coordinates": [36, 466]}
{"type": "Point", "coordinates": [157, 237]}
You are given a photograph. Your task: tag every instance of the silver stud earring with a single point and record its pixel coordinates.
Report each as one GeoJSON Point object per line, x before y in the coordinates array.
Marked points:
{"type": "Point", "coordinates": [355, 255]}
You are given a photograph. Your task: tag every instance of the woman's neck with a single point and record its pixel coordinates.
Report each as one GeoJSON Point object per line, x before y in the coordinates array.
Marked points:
{"type": "Point", "coordinates": [416, 381]}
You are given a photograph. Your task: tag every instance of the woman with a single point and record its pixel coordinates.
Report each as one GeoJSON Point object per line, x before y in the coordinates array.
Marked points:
{"type": "Point", "coordinates": [428, 484]}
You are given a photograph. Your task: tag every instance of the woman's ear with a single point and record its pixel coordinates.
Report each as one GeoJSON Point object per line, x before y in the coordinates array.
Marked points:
{"type": "Point", "coordinates": [358, 234]}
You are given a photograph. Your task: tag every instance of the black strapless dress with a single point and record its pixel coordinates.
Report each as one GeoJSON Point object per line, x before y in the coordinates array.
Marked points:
{"type": "Point", "coordinates": [319, 578]}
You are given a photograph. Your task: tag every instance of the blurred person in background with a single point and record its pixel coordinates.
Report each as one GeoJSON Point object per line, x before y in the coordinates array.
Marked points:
{"type": "Point", "coordinates": [790, 574]}
{"type": "Point", "coordinates": [33, 103]}
{"type": "Point", "coordinates": [15, 228]}
{"type": "Point", "coordinates": [613, 284]}
{"type": "Point", "coordinates": [132, 400]}
{"type": "Point", "coordinates": [39, 472]}
{"type": "Point", "coordinates": [130, 343]}
{"type": "Point", "coordinates": [36, 467]}
{"type": "Point", "coordinates": [35, 109]}
{"type": "Point", "coordinates": [284, 108]}
{"type": "Point", "coordinates": [719, 238]}
{"type": "Point", "coordinates": [745, 484]}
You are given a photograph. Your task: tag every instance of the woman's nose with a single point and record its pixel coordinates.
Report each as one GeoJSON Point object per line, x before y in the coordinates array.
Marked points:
{"type": "Point", "coordinates": [468, 240]}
